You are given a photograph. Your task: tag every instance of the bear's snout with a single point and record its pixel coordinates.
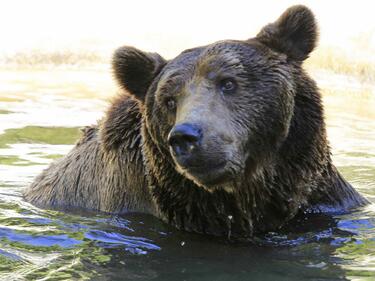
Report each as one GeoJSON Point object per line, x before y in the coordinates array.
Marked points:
{"type": "Point", "coordinates": [184, 139]}
{"type": "Point", "coordinates": [202, 159]}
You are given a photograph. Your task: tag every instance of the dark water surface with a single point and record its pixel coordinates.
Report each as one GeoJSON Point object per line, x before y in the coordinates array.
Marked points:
{"type": "Point", "coordinates": [39, 124]}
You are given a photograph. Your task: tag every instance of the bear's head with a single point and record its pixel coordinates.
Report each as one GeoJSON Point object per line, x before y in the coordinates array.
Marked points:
{"type": "Point", "coordinates": [224, 109]}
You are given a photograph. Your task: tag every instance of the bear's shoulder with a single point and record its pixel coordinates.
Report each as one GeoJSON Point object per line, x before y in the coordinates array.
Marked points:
{"type": "Point", "coordinates": [88, 134]}
{"type": "Point", "coordinates": [121, 124]}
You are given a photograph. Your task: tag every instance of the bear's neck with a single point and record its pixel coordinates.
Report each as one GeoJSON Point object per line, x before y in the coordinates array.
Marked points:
{"type": "Point", "coordinates": [252, 207]}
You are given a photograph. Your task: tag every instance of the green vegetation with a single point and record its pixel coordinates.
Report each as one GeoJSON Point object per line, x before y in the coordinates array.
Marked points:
{"type": "Point", "coordinates": [37, 134]}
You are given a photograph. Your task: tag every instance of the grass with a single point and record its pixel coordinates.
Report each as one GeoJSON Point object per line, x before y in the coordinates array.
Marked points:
{"type": "Point", "coordinates": [337, 60]}
{"type": "Point", "coordinates": [341, 62]}
{"type": "Point", "coordinates": [39, 58]}
{"type": "Point", "coordinates": [36, 134]}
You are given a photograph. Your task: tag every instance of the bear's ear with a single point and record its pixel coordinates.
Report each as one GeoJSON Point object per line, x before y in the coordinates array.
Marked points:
{"type": "Point", "coordinates": [134, 70]}
{"type": "Point", "coordinates": [294, 33]}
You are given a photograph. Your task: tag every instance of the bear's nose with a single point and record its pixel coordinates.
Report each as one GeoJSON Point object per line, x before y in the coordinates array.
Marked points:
{"type": "Point", "coordinates": [184, 138]}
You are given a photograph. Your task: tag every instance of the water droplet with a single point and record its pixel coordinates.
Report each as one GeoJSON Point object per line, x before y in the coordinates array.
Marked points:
{"type": "Point", "coordinates": [182, 243]}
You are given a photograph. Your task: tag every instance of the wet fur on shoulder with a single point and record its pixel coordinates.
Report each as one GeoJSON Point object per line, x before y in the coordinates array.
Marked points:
{"type": "Point", "coordinates": [104, 171]}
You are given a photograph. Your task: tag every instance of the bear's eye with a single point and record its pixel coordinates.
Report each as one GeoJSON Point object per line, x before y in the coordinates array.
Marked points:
{"type": "Point", "coordinates": [228, 86]}
{"type": "Point", "coordinates": [171, 104]}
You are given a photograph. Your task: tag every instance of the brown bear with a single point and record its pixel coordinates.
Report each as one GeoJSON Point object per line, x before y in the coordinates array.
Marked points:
{"type": "Point", "coordinates": [224, 139]}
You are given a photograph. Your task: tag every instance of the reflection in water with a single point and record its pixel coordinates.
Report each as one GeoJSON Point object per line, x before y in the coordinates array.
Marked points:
{"type": "Point", "coordinates": [37, 134]}
{"type": "Point", "coordinates": [38, 124]}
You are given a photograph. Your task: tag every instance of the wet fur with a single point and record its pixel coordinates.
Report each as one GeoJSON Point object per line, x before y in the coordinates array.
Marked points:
{"type": "Point", "coordinates": [120, 165]}
{"type": "Point", "coordinates": [104, 171]}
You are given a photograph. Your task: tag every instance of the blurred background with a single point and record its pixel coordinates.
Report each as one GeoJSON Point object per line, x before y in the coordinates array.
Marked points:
{"type": "Point", "coordinates": [97, 27]}
{"type": "Point", "coordinates": [80, 36]}
{"type": "Point", "coordinates": [55, 77]}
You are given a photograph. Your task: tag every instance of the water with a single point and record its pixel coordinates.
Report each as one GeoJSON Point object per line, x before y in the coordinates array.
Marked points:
{"type": "Point", "coordinates": [40, 114]}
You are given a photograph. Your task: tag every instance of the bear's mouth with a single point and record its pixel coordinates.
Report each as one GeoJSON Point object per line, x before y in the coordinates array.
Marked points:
{"type": "Point", "coordinates": [207, 174]}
